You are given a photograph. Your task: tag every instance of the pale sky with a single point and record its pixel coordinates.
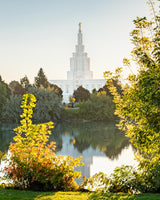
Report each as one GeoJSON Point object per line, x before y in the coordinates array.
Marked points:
{"type": "Point", "coordinates": [43, 33]}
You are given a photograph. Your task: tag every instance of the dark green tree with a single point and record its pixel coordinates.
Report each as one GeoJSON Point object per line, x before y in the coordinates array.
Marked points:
{"type": "Point", "coordinates": [81, 94]}
{"type": "Point", "coordinates": [12, 109]}
{"type": "Point", "coordinates": [99, 107]}
{"type": "Point", "coordinates": [41, 80]}
{"type": "Point", "coordinates": [7, 87]}
{"type": "Point", "coordinates": [25, 83]}
{"type": "Point", "coordinates": [94, 91]}
{"type": "Point", "coordinates": [48, 106]}
{"type": "Point", "coordinates": [4, 93]}
{"type": "Point", "coordinates": [3, 96]}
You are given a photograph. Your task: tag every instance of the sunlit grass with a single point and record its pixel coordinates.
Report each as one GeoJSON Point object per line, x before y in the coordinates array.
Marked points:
{"type": "Point", "coordinates": [30, 195]}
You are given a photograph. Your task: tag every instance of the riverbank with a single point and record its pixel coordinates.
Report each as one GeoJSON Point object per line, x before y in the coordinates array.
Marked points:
{"type": "Point", "coordinates": [83, 115]}
{"type": "Point", "coordinates": [30, 195]}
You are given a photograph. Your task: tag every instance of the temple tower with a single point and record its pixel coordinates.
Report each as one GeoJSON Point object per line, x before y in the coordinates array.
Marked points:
{"type": "Point", "coordinates": [79, 74]}
{"type": "Point", "coordinates": [79, 62]}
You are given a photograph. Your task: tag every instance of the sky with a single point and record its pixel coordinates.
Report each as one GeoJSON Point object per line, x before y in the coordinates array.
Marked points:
{"type": "Point", "coordinates": [38, 34]}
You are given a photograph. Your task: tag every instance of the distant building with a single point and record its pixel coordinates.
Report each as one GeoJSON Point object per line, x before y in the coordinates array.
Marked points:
{"type": "Point", "coordinates": [79, 74]}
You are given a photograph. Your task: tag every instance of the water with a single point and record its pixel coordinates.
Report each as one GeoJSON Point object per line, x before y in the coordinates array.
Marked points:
{"type": "Point", "coordinates": [101, 144]}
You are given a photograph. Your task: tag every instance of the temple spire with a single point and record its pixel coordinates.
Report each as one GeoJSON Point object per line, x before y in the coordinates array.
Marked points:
{"type": "Point", "coordinates": [80, 35]}
{"type": "Point", "coordinates": [80, 26]}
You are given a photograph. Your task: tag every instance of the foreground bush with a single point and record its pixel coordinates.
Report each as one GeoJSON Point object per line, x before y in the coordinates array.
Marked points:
{"type": "Point", "coordinates": [138, 105]}
{"type": "Point", "coordinates": [125, 179]}
{"type": "Point", "coordinates": [33, 163]}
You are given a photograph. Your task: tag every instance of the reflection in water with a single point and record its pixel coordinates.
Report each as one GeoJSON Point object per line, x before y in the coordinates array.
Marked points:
{"type": "Point", "coordinates": [107, 165]}
{"type": "Point", "coordinates": [98, 135]}
{"type": "Point", "coordinates": [102, 145]}
{"type": "Point", "coordinates": [6, 135]}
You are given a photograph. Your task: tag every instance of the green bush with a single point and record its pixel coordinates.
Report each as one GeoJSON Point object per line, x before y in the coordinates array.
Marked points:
{"type": "Point", "coordinates": [99, 107]}
{"type": "Point", "coordinates": [126, 179]}
{"type": "Point", "coordinates": [69, 114]}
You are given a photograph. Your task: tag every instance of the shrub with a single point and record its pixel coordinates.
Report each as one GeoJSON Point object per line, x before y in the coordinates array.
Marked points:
{"type": "Point", "coordinates": [99, 107]}
{"type": "Point", "coordinates": [33, 163]}
{"type": "Point", "coordinates": [126, 179]}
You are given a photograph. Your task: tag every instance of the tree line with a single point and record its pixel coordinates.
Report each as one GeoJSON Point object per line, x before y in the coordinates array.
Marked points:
{"type": "Point", "coordinates": [97, 105]}
{"type": "Point", "coordinates": [49, 97]}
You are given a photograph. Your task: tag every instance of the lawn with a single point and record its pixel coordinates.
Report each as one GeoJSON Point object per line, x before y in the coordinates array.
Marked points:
{"type": "Point", "coordinates": [30, 195]}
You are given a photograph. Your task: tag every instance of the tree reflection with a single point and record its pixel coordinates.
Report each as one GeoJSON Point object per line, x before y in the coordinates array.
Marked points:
{"type": "Point", "coordinates": [56, 136]}
{"type": "Point", "coordinates": [6, 136]}
{"type": "Point", "coordinates": [104, 136]}
{"type": "Point", "coordinates": [99, 135]}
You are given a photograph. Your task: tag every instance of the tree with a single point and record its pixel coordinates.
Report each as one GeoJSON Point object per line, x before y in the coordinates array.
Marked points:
{"type": "Point", "coordinates": [138, 107]}
{"type": "Point", "coordinates": [116, 84]}
{"type": "Point", "coordinates": [55, 88]}
{"type": "Point", "coordinates": [6, 85]}
{"type": "Point", "coordinates": [11, 109]}
{"type": "Point", "coordinates": [3, 96]}
{"type": "Point", "coordinates": [81, 94]}
{"type": "Point", "coordinates": [98, 107]}
{"type": "Point", "coordinates": [94, 91]}
{"type": "Point", "coordinates": [48, 105]}
{"type": "Point", "coordinates": [25, 83]}
{"type": "Point", "coordinates": [16, 88]}
{"type": "Point", "coordinates": [4, 93]}
{"type": "Point", "coordinates": [41, 80]}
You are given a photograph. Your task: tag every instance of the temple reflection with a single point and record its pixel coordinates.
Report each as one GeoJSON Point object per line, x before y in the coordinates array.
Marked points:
{"type": "Point", "coordinates": [102, 145]}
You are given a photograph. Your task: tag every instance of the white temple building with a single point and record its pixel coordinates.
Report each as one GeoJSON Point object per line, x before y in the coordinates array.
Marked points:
{"type": "Point", "coordinates": [79, 74]}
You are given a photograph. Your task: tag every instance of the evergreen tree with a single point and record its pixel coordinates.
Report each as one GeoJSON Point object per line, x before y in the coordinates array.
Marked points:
{"type": "Point", "coordinates": [41, 80]}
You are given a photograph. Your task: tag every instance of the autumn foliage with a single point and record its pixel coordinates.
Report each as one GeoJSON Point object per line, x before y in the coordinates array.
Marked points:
{"type": "Point", "coordinates": [33, 163]}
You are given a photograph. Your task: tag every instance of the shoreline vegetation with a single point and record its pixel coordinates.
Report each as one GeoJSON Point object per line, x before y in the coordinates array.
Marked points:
{"type": "Point", "coordinates": [72, 114]}
{"type": "Point", "coordinates": [99, 107]}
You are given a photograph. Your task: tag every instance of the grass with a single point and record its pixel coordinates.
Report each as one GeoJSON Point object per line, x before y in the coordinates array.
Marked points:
{"type": "Point", "coordinates": [30, 195]}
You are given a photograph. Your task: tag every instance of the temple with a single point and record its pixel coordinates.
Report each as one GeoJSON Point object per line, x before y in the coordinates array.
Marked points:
{"type": "Point", "coordinates": [80, 63]}
{"type": "Point", "coordinates": [79, 74]}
